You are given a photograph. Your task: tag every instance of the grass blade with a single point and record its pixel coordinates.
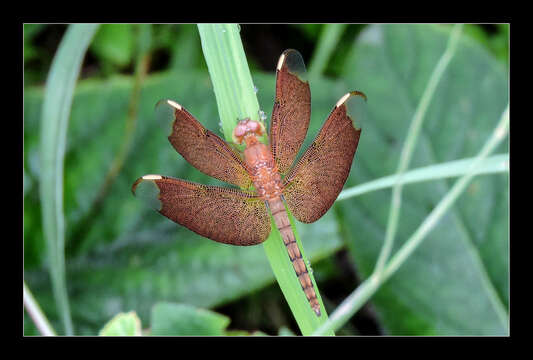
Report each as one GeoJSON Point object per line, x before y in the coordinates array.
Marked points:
{"type": "Point", "coordinates": [236, 100]}
{"type": "Point", "coordinates": [57, 102]}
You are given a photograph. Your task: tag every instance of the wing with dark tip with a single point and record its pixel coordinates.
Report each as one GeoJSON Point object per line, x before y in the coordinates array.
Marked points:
{"type": "Point", "coordinates": [292, 110]}
{"type": "Point", "coordinates": [314, 183]}
{"type": "Point", "coordinates": [229, 216]}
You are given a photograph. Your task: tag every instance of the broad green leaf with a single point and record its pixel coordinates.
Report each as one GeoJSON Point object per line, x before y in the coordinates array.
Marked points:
{"type": "Point", "coordinates": [456, 283]}
{"type": "Point", "coordinates": [182, 319]}
{"type": "Point", "coordinates": [131, 257]}
{"type": "Point", "coordinates": [123, 324]}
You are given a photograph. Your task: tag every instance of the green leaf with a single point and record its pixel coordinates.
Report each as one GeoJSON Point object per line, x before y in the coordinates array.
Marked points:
{"type": "Point", "coordinates": [182, 319]}
{"type": "Point", "coordinates": [123, 324]}
{"type": "Point", "coordinates": [457, 281]}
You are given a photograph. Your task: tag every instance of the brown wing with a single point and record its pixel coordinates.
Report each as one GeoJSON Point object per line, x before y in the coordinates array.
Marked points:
{"type": "Point", "coordinates": [229, 216]}
{"type": "Point", "coordinates": [314, 183]}
{"type": "Point", "coordinates": [292, 110]}
{"type": "Point", "coordinates": [200, 147]}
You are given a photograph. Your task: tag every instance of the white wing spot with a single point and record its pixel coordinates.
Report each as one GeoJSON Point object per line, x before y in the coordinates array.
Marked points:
{"type": "Point", "coordinates": [174, 104]}
{"type": "Point", "coordinates": [342, 100]}
{"type": "Point", "coordinates": [152, 177]}
{"type": "Point", "coordinates": [280, 61]}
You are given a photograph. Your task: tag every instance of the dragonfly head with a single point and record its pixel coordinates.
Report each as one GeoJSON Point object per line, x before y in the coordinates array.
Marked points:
{"type": "Point", "coordinates": [246, 128]}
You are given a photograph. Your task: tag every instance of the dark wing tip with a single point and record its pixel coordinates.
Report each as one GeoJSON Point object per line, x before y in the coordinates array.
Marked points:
{"type": "Point", "coordinates": [148, 190]}
{"type": "Point", "coordinates": [294, 62]}
{"type": "Point", "coordinates": [359, 93]}
{"type": "Point", "coordinates": [134, 186]}
{"type": "Point", "coordinates": [355, 109]}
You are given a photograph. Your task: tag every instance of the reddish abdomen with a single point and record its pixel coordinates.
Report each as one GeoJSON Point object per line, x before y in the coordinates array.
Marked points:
{"type": "Point", "coordinates": [282, 222]}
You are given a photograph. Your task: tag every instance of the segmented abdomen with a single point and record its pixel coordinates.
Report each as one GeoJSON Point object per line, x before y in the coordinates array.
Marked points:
{"type": "Point", "coordinates": [283, 224]}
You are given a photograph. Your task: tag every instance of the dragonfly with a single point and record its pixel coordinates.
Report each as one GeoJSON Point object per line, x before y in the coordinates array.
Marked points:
{"type": "Point", "coordinates": [267, 176]}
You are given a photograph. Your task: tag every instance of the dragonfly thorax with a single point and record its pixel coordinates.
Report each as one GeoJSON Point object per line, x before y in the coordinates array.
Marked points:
{"type": "Point", "coordinates": [262, 168]}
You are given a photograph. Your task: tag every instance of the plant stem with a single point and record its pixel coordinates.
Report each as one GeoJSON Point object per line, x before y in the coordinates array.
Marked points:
{"type": "Point", "coordinates": [494, 164]}
{"type": "Point", "coordinates": [365, 291]}
{"type": "Point", "coordinates": [410, 142]}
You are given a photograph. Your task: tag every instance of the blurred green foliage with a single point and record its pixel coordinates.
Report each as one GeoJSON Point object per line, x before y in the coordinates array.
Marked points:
{"type": "Point", "coordinates": [113, 44]}
{"type": "Point", "coordinates": [128, 258]}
